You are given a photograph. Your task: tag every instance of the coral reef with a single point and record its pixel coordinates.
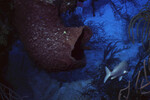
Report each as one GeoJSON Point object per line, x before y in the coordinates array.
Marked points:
{"type": "Point", "coordinates": [7, 36]}
{"type": "Point", "coordinates": [49, 43]}
{"type": "Point", "coordinates": [96, 89]}
{"type": "Point", "coordinates": [5, 30]}
{"type": "Point", "coordinates": [142, 17]}
{"type": "Point", "coordinates": [138, 88]}
{"type": "Point", "coordinates": [7, 93]}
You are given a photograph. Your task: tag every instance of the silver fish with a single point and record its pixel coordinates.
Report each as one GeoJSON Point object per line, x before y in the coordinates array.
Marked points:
{"type": "Point", "coordinates": [118, 71]}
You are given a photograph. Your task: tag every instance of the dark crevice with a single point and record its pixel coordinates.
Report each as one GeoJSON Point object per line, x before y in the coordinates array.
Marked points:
{"type": "Point", "coordinates": [78, 51]}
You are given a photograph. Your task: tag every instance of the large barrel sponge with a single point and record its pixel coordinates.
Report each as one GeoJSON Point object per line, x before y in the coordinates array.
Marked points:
{"type": "Point", "coordinates": [49, 43]}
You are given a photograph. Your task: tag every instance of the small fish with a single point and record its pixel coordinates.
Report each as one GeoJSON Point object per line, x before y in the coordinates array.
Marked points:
{"type": "Point", "coordinates": [118, 71]}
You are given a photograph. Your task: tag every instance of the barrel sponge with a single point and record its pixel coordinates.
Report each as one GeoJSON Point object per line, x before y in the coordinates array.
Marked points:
{"type": "Point", "coordinates": [49, 43]}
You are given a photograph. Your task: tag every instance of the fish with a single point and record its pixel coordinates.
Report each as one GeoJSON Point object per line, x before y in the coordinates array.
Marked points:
{"type": "Point", "coordinates": [118, 71]}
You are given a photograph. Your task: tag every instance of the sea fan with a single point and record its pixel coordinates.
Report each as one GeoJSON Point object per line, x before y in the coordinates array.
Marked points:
{"type": "Point", "coordinates": [142, 17]}
{"type": "Point", "coordinates": [7, 93]}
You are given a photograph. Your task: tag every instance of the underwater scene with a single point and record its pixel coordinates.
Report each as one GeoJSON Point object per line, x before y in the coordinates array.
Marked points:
{"type": "Point", "coordinates": [74, 49]}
